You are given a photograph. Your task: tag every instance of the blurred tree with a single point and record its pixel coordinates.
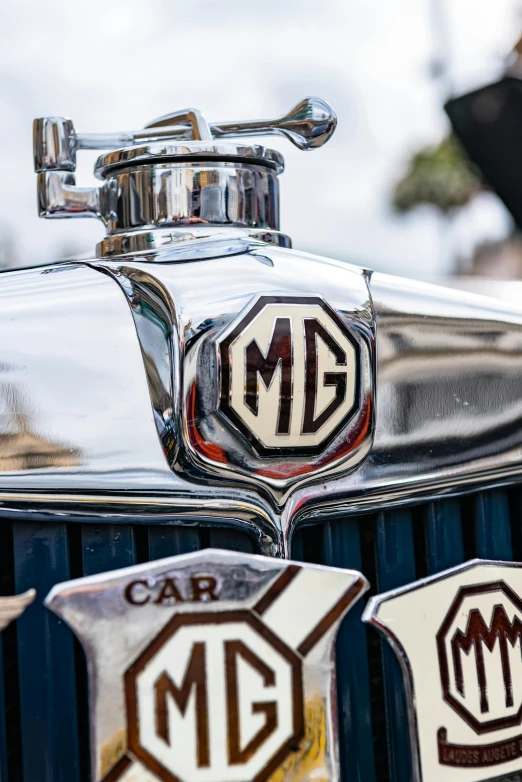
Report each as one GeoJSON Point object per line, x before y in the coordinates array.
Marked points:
{"type": "Point", "coordinates": [441, 176]}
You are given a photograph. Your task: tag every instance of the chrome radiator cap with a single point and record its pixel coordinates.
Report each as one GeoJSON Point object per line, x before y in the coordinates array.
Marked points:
{"type": "Point", "coordinates": [178, 171]}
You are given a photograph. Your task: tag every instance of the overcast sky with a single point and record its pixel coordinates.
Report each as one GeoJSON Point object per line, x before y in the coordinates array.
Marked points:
{"type": "Point", "coordinates": [116, 64]}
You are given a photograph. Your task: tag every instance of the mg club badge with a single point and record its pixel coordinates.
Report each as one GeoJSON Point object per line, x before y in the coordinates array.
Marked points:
{"type": "Point", "coordinates": [211, 667]}
{"type": "Point", "coordinates": [458, 636]}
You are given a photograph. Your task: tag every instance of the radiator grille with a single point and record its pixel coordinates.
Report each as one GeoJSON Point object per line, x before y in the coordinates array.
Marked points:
{"type": "Point", "coordinates": [43, 689]}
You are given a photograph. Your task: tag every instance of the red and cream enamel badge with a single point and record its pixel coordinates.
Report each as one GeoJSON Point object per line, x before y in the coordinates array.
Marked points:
{"type": "Point", "coordinates": [458, 636]}
{"type": "Point", "coordinates": [211, 667]}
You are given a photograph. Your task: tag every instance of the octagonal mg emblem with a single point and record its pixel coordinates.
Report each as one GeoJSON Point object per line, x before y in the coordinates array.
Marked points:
{"type": "Point", "coordinates": [177, 668]}
{"type": "Point", "coordinates": [459, 638]}
{"type": "Point", "coordinates": [480, 656]}
{"type": "Point", "coordinates": [211, 667]}
{"type": "Point", "coordinates": [290, 375]}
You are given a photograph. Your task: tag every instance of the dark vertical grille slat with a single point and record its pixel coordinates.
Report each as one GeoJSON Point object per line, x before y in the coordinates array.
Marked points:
{"type": "Point", "coordinates": [4, 584]}
{"type": "Point", "coordinates": [12, 749]}
{"type": "Point", "coordinates": [515, 510]}
{"type": "Point", "coordinates": [167, 541]}
{"type": "Point", "coordinates": [296, 549]}
{"type": "Point", "coordinates": [234, 540]}
{"type": "Point", "coordinates": [342, 548]}
{"type": "Point", "coordinates": [45, 658]}
{"type": "Point", "coordinates": [102, 548]}
{"type": "Point", "coordinates": [492, 526]}
{"type": "Point", "coordinates": [444, 541]}
{"type": "Point", "coordinates": [313, 544]}
{"type": "Point", "coordinates": [141, 544]}
{"type": "Point", "coordinates": [395, 566]}
{"type": "Point", "coordinates": [3, 737]}
{"type": "Point", "coordinates": [107, 547]}
{"type": "Point", "coordinates": [374, 645]}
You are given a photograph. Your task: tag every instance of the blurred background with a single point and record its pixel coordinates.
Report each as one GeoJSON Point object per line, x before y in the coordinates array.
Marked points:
{"type": "Point", "coordinates": [393, 190]}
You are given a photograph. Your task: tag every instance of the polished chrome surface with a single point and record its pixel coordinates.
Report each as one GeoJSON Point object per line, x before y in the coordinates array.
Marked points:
{"type": "Point", "coordinates": [216, 193]}
{"type": "Point", "coordinates": [174, 172]}
{"type": "Point", "coordinates": [187, 328]}
{"type": "Point", "coordinates": [163, 196]}
{"type": "Point", "coordinates": [199, 128]}
{"type": "Point", "coordinates": [78, 425]}
{"type": "Point", "coordinates": [449, 400]}
{"type": "Point", "coordinates": [148, 628]}
{"type": "Point", "coordinates": [91, 398]}
{"type": "Point", "coordinates": [212, 151]}
{"type": "Point", "coordinates": [58, 196]}
{"type": "Point", "coordinates": [194, 242]}
{"type": "Point", "coordinates": [54, 144]}
{"type": "Point", "coordinates": [308, 125]}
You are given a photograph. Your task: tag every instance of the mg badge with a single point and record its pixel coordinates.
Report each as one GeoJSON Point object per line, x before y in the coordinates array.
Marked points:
{"type": "Point", "coordinates": [211, 667]}
{"type": "Point", "coordinates": [290, 375]}
{"type": "Point", "coordinates": [459, 638]}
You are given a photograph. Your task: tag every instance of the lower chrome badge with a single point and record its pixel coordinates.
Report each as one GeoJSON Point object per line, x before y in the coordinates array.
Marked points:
{"type": "Point", "coordinates": [211, 667]}
{"type": "Point", "coordinates": [458, 636]}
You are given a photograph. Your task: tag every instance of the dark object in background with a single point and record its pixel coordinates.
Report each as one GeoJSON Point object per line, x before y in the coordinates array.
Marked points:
{"type": "Point", "coordinates": [488, 123]}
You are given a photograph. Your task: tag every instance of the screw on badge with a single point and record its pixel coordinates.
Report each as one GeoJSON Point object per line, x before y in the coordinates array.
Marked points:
{"type": "Point", "coordinates": [290, 372]}
{"type": "Point", "coordinates": [211, 667]}
{"type": "Point", "coordinates": [458, 636]}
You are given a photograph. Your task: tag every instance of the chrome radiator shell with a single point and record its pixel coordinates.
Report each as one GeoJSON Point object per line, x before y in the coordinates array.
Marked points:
{"type": "Point", "coordinates": [80, 402]}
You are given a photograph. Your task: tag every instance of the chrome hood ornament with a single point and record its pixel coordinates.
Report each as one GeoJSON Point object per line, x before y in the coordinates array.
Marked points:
{"type": "Point", "coordinates": [211, 667]}
{"type": "Point", "coordinates": [211, 404]}
{"type": "Point", "coordinates": [178, 171]}
{"type": "Point", "coordinates": [458, 637]}
{"type": "Point", "coordinates": [11, 607]}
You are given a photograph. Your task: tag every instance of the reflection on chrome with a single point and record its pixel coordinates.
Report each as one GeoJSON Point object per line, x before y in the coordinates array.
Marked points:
{"type": "Point", "coordinates": [20, 447]}
{"type": "Point", "coordinates": [95, 407]}
{"type": "Point", "coordinates": [117, 401]}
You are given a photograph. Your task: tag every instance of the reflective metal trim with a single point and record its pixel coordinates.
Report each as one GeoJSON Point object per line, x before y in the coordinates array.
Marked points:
{"type": "Point", "coordinates": [161, 153]}
{"type": "Point", "coordinates": [449, 401]}
{"type": "Point", "coordinates": [91, 393]}
{"type": "Point", "coordinates": [222, 194]}
{"type": "Point", "coordinates": [188, 244]}
{"type": "Point", "coordinates": [208, 446]}
{"type": "Point", "coordinates": [152, 509]}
